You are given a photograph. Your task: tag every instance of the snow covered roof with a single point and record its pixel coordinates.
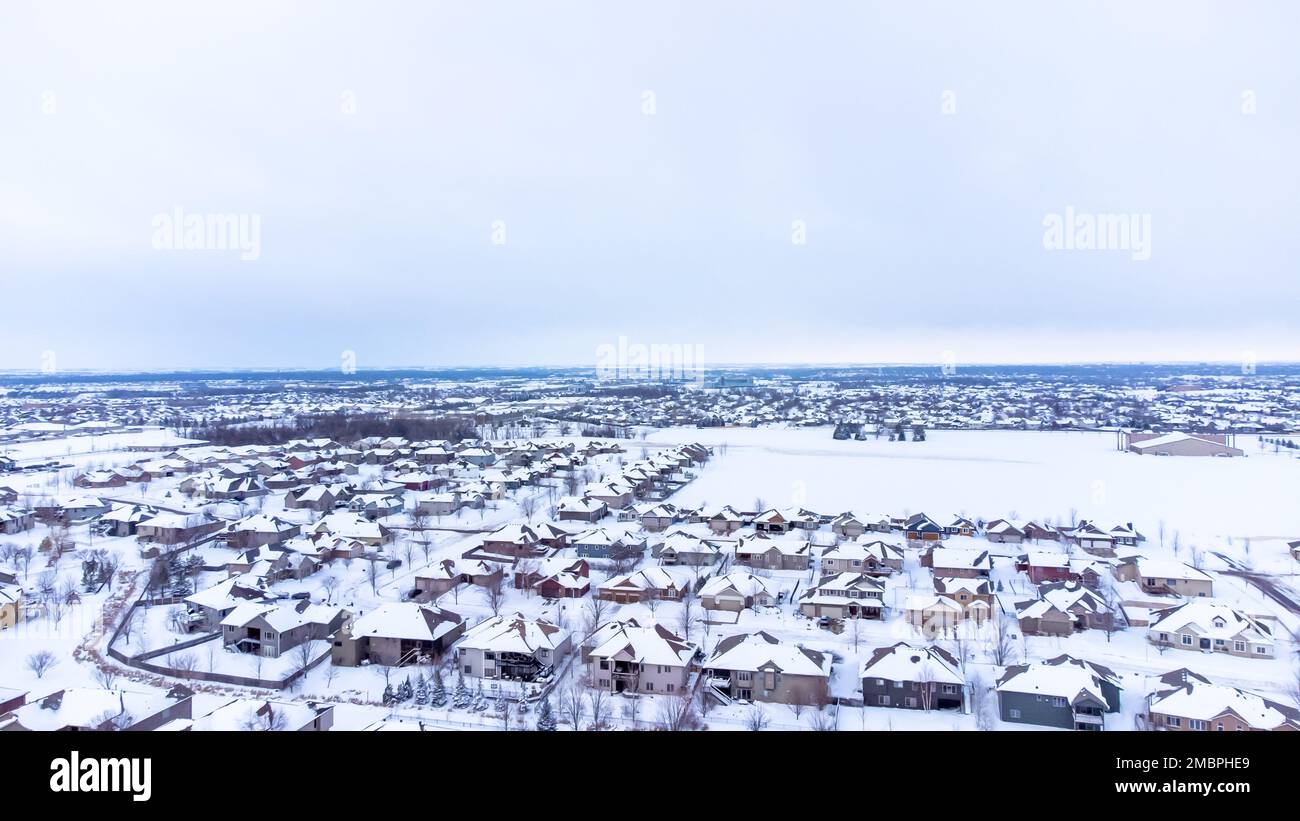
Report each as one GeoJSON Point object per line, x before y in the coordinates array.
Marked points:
{"type": "Point", "coordinates": [1196, 697]}
{"type": "Point", "coordinates": [1068, 680]}
{"type": "Point", "coordinates": [655, 644]}
{"type": "Point", "coordinates": [514, 634]}
{"type": "Point", "coordinates": [88, 707]}
{"type": "Point", "coordinates": [903, 662]}
{"type": "Point", "coordinates": [752, 652]}
{"type": "Point", "coordinates": [745, 584]}
{"type": "Point", "coordinates": [1211, 619]}
{"type": "Point", "coordinates": [406, 620]}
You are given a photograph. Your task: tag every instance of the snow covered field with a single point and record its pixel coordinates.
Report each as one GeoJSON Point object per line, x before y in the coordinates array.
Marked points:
{"type": "Point", "coordinates": [1014, 474]}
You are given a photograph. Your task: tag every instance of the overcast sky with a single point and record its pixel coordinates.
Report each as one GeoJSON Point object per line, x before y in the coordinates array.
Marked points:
{"type": "Point", "coordinates": [652, 169]}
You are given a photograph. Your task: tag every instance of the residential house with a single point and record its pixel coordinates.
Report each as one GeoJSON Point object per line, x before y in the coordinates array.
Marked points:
{"type": "Point", "coordinates": [554, 578]}
{"type": "Point", "coordinates": [759, 667]}
{"type": "Point", "coordinates": [1165, 576]}
{"type": "Point", "coordinates": [513, 647]}
{"type": "Point", "coordinates": [631, 658]}
{"type": "Point", "coordinates": [94, 708]}
{"type": "Point", "coordinates": [576, 509]}
{"type": "Point", "coordinates": [1212, 626]}
{"type": "Point", "coordinates": [875, 558]}
{"type": "Point", "coordinates": [1042, 567]}
{"type": "Point", "coordinates": [947, 561]}
{"type": "Point", "coordinates": [845, 595]}
{"type": "Point", "coordinates": [272, 629]}
{"type": "Point", "coordinates": [654, 582]}
{"type": "Point", "coordinates": [735, 592]}
{"type": "Point", "coordinates": [1191, 702]}
{"type": "Point", "coordinates": [913, 678]}
{"type": "Point", "coordinates": [1002, 531]}
{"type": "Point", "coordinates": [1062, 608]}
{"type": "Point", "coordinates": [397, 633]}
{"type": "Point", "coordinates": [726, 520]}
{"type": "Point", "coordinates": [1064, 692]}
{"type": "Point", "coordinates": [682, 548]}
{"type": "Point", "coordinates": [763, 551]}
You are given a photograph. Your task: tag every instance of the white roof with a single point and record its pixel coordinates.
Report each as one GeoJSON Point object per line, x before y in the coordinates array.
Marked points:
{"type": "Point", "coordinates": [759, 650]}
{"type": "Point", "coordinates": [514, 634]}
{"type": "Point", "coordinates": [405, 620]}
{"type": "Point", "coordinates": [654, 644]}
{"type": "Point", "coordinates": [906, 663]}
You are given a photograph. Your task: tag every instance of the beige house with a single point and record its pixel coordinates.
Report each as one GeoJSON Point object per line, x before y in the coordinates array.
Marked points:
{"type": "Point", "coordinates": [934, 615]}
{"type": "Point", "coordinates": [1211, 626]}
{"type": "Point", "coordinates": [1165, 576]}
{"type": "Point", "coordinates": [512, 647]}
{"type": "Point", "coordinates": [844, 596]}
{"type": "Point", "coordinates": [632, 658]}
{"type": "Point", "coordinates": [759, 667]}
{"type": "Point", "coordinates": [773, 554]}
{"type": "Point", "coordinates": [1190, 702]}
{"type": "Point", "coordinates": [735, 592]}
{"type": "Point", "coordinates": [873, 558]}
{"type": "Point", "coordinates": [397, 633]}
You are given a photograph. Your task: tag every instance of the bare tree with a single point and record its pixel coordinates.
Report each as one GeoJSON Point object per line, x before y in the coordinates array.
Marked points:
{"type": "Point", "coordinates": [632, 709]}
{"type": "Point", "coordinates": [105, 677]}
{"type": "Point", "coordinates": [330, 583]}
{"type": "Point", "coordinates": [688, 611]}
{"type": "Point", "coordinates": [593, 615]}
{"type": "Point", "coordinates": [1002, 641]}
{"type": "Point", "coordinates": [678, 712]}
{"type": "Point", "coordinates": [303, 656]}
{"type": "Point", "coordinates": [41, 661]}
{"type": "Point", "coordinates": [756, 719]}
{"type": "Point", "coordinates": [981, 702]}
{"type": "Point", "coordinates": [572, 706]}
{"type": "Point", "coordinates": [494, 592]}
{"type": "Point", "coordinates": [598, 698]}
{"type": "Point", "coordinates": [183, 663]}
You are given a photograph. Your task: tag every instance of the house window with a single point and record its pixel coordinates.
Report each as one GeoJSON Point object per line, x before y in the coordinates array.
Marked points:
{"type": "Point", "coordinates": [1187, 640]}
{"type": "Point", "coordinates": [1239, 646]}
{"type": "Point", "coordinates": [1174, 721]}
{"type": "Point", "coordinates": [883, 701]}
{"type": "Point", "coordinates": [744, 676]}
{"type": "Point", "coordinates": [880, 682]}
{"type": "Point", "coordinates": [1263, 651]}
{"type": "Point", "coordinates": [649, 686]}
{"type": "Point", "coordinates": [1014, 713]}
{"type": "Point", "coordinates": [1196, 724]}
{"type": "Point", "coordinates": [949, 689]}
{"type": "Point", "coordinates": [469, 668]}
{"type": "Point", "coordinates": [604, 664]}
{"type": "Point", "coordinates": [671, 688]}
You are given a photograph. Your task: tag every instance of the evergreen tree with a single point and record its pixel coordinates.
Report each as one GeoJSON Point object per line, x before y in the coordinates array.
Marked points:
{"type": "Point", "coordinates": [545, 717]}
{"type": "Point", "coordinates": [437, 692]}
{"type": "Point", "coordinates": [421, 690]}
{"type": "Point", "coordinates": [405, 691]}
{"type": "Point", "coordinates": [388, 694]}
{"type": "Point", "coordinates": [462, 697]}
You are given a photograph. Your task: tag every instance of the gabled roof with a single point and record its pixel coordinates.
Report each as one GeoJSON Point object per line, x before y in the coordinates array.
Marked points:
{"type": "Point", "coordinates": [903, 662]}
{"type": "Point", "coordinates": [753, 652]}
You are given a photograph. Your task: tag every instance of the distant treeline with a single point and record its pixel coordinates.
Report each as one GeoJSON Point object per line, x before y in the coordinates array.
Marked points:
{"type": "Point", "coordinates": [341, 427]}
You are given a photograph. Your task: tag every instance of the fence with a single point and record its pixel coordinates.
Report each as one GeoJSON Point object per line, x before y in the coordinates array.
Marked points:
{"type": "Point", "coordinates": [141, 661]}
